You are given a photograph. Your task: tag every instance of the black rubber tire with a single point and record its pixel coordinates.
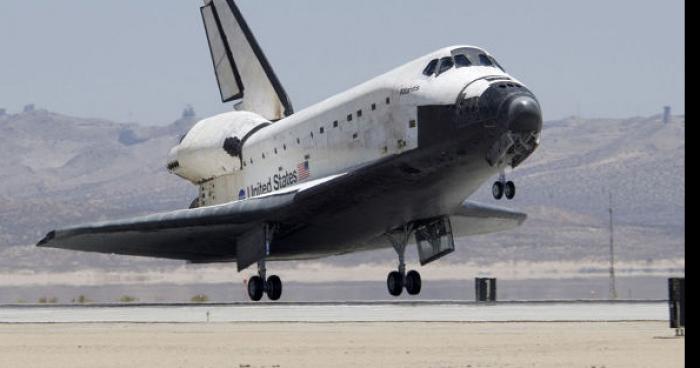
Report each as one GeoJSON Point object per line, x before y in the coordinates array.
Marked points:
{"type": "Point", "coordinates": [509, 190]}
{"type": "Point", "coordinates": [255, 288]}
{"type": "Point", "coordinates": [394, 282]}
{"type": "Point", "coordinates": [413, 282]}
{"type": "Point", "coordinates": [274, 287]}
{"type": "Point", "coordinates": [497, 190]}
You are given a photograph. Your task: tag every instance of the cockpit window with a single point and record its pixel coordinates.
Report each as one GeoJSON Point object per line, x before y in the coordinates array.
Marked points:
{"type": "Point", "coordinates": [462, 60]}
{"type": "Point", "coordinates": [474, 56]}
{"type": "Point", "coordinates": [430, 69]}
{"type": "Point", "coordinates": [484, 60]}
{"type": "Point", "coordinates": [497, 64]}
{"type": "Point", "coordinates": [445, 64]}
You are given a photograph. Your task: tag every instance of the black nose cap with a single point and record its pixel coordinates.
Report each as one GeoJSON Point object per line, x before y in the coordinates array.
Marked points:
{"type": "Point", "coordinates": [524, 115]}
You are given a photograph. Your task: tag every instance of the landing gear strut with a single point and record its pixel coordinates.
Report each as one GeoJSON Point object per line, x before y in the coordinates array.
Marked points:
{"type": "Point", "coordinates": [259, 284]}
{"type": "Point", "coordinates": [397, 280]}
{"type": "Point", "coordinates": [503, 188]}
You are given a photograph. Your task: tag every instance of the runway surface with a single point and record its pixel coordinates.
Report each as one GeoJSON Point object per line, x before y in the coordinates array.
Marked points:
{"type": "Point", "coordinates": [399, 334]}
{"type": "Point", "coordinates": [341, 345]}
{"type": "Point", "coordinates": [436, 311]}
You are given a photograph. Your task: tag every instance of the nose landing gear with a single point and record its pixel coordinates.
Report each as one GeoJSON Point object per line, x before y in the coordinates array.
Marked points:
{"type": "Point", "coordinates": [503, 188]}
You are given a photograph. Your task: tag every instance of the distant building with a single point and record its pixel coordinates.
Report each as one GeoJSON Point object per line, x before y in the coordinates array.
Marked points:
{"type": "Point", "coordinates": [29, 108]}
{"type": "Point", "coordinates": [667, 114]}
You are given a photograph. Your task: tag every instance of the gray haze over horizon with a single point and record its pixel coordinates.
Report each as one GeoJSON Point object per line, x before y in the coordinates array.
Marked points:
{"type": "Point", "coordinates": [144, 61]}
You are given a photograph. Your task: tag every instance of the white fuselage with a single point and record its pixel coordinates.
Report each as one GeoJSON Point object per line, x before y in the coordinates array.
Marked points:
{"type": "Point", "coordinates": [364, 124]}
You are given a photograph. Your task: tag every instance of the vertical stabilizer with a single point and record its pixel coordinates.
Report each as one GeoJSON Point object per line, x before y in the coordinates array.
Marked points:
{"type": "Point", "coordinates": [241, 68]}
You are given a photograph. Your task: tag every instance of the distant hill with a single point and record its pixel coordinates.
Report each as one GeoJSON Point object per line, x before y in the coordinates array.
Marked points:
{"type": "Point", "coordinates": [59, 170]}
{"type": "Point", "coordinates": [565, 185]}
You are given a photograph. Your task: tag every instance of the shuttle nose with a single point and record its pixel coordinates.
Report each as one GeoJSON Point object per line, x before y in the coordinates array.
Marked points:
{"type": "Point", "coordinates": [524, 115]}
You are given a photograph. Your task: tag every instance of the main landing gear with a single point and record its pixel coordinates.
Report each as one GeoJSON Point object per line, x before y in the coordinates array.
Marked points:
{"type": "Point", "coordinates": [503, 188]}
{"type": "Point", "coordinates": [397, 280]}
{"type": "Point", "coordinates": [255, 245]}
{"type": "Point", "coordinates": [259, 285]}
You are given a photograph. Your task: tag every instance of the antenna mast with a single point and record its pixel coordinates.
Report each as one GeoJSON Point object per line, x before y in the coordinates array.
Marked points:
{"type": "Point", "coordinates": [613, 292]}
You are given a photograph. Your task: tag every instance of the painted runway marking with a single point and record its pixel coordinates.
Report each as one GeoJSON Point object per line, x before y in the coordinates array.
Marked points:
{"type": "Point", "coordinates": [336, 312]}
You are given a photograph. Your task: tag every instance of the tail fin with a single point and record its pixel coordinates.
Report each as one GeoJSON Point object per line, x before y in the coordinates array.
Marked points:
{"type": "Point", "coordinates": [241, 68]}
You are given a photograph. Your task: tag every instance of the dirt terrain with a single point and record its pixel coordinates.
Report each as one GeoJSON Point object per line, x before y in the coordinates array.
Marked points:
{"type": "Point", "coordinates": [250, 345]}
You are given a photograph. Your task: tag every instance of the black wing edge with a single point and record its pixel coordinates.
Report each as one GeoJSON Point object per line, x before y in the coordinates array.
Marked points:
{"type": "Point", "coordinates": [204, 234]}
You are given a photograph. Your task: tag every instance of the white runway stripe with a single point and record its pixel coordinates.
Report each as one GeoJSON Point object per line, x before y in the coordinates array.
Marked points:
{"type": "Point", "coordinates": [338, 312]}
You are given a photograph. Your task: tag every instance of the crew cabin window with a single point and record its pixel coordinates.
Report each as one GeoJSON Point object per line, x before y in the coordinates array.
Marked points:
{"type": "Point", "coordinates": [445, 64]}
{"type": "Point", "coordinates": [430, 69]}
{"type": "Point", "coordinates": [496, 62]}
{"type": "Point", "coordinates": [462, 61]}
{"type": "Point", "coordinates": [484, 60]}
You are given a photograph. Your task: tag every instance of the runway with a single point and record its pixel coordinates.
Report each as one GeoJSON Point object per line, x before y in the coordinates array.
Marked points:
{"type": "Point", "coordinates": [387, 334]}
{"type": "Point", "coordinates": [424, 311]}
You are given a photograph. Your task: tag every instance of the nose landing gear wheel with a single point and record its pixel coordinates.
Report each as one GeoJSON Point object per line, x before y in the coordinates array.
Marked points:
{"type": "Point", "coordinates": [509, 190]}
{"type": "Point", "coordinates": [413, 282]}
{"type": "Point", "coordinates": [394, 282]}
{"type": "Point", "coordinates": [274, 287]}
{"type": "Point", "coordinates": [255, 288]}
{"type": "Point", "coordinates": [497, 190]}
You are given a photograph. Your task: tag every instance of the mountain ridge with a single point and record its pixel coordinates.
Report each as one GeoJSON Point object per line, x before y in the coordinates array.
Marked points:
{"type": "Point", "coordinates": [61, 171]}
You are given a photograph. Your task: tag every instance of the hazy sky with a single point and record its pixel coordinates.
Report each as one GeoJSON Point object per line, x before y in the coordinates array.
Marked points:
{"type": "Point", "coordinates": [144, 61]}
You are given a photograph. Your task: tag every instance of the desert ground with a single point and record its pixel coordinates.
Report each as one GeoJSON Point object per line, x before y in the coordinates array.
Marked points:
{"type": "Point", "coordinates": [399, 344]}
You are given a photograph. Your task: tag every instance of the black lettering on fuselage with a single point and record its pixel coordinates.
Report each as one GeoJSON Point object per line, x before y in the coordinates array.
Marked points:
{"type": "Point", "coordinates": [405, 91]}
{"type": "Point", "coordinates": [281, 181]}
{"type": "Point", "coordinates": [275, 182]}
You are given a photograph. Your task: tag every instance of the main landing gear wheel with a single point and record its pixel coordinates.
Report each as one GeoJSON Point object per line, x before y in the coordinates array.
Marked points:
{"type": "Point", "coordinates": [260, 284]}
{"type": "Point", "coordinates": [255, 288]}
{"type": "Point", "coordinates": [509, 190]}
{"type": "Point", "coordinates": [413, 282]}
{"type": "Point", "coordinates": [274, 287]}
{"type": "Point", "coordinates": [394, 282]}
{"type": "Point", "coordinates": [497, 190]}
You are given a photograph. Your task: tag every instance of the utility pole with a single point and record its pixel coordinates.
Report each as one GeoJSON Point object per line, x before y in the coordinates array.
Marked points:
{"type": "Point", "coordinates": [613, 292]}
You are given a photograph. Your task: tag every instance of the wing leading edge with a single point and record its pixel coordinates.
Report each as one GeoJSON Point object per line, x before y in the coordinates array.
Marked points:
{"type": "Point", "coordinates": [206, 234]}
{"type": "Point", "coordinates": [197, 235]}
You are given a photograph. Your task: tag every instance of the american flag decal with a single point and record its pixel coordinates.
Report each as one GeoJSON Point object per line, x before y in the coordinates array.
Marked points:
{"type": "Point", "coordinates": [303, 170]}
